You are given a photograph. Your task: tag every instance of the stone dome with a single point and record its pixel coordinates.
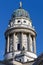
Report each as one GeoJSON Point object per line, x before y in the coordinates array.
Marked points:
{"type": "Point", "coordinates": [20, 13]}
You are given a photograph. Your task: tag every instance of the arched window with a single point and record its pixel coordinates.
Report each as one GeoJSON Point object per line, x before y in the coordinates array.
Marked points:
{"type": "Point", "coordinates": [18, 46]}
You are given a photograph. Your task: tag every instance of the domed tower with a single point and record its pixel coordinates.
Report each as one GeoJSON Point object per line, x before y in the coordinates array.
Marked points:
{"type": "Point", "coordinates": [20, 37]}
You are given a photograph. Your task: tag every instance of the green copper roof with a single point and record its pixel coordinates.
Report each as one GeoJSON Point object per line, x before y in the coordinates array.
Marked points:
{"type": "Point", "coordinates": [21, 12]}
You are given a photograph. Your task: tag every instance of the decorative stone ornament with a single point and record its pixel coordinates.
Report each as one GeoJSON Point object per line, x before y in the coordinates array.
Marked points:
{"type": "Point", "coordinates": [20, 4]}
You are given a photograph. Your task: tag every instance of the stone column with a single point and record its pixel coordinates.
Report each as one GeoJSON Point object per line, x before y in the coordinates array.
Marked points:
{"type": "Point", "coordinates": [34, 45]}
{"type": "Point", "coordinates": [8, 43]}
{"type": "Point", "coordinates": [14, 46]}
{"type": "Point", "coordinates": [30, 43]}
{"type": "Point", "coordinates": [21, 41]}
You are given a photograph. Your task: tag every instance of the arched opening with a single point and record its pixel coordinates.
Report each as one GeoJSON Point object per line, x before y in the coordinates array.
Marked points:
{"type": "Point", "coordinates": [18, 46]}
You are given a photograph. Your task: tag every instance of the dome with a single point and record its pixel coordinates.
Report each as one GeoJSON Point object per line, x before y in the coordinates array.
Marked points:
{"type": "Point", "coordinates": [20, 12]}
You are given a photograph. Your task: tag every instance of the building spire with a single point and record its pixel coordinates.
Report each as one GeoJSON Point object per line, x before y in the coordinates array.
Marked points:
{"type": "Point", "coordinates": [20, 4]}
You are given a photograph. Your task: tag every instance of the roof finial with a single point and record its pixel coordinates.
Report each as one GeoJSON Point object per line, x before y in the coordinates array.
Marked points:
{"type": "Point", "coordinates": [20, 4]}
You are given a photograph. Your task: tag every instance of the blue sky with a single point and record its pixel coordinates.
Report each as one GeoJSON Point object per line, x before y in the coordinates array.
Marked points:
{"type": "Point", "coordinates": [35, 9]}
